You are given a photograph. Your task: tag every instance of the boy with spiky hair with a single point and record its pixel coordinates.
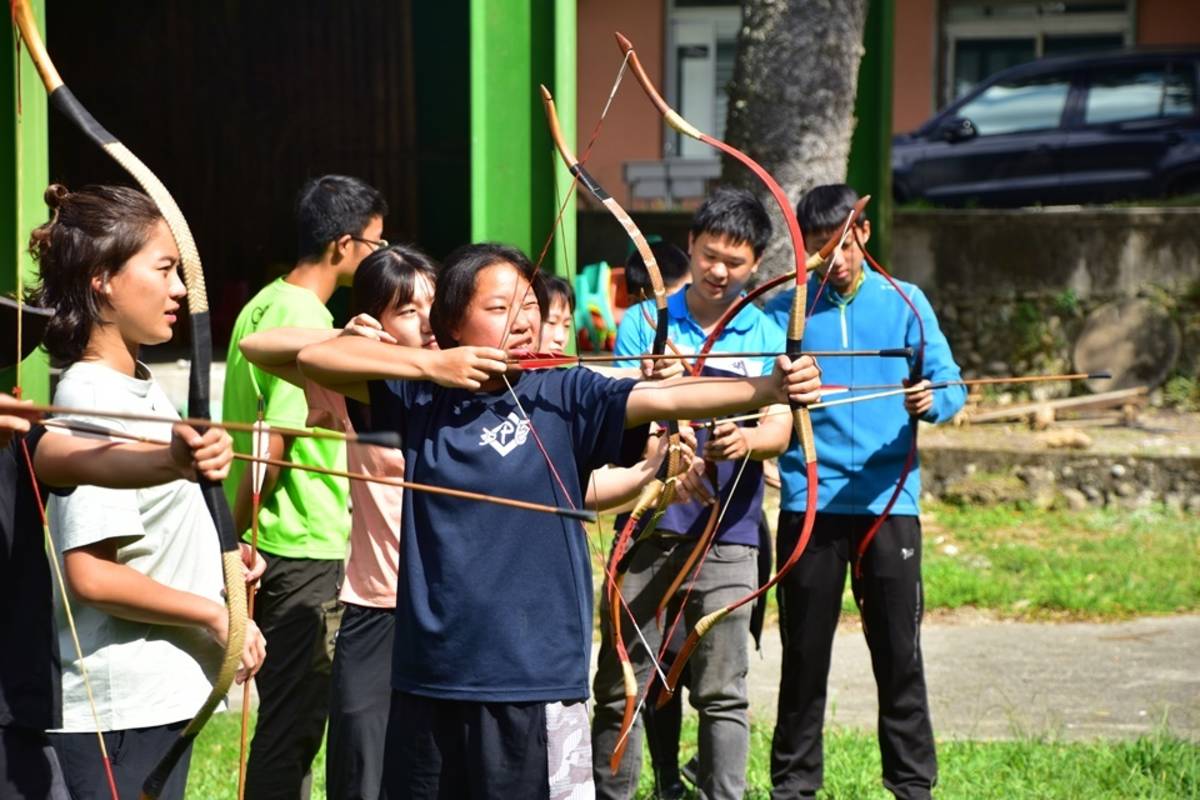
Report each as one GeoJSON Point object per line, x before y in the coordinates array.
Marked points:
{"type": "Point", "coordinates": [728, 236]}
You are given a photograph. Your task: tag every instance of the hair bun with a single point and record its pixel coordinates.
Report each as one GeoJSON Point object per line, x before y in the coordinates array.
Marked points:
{"type": "Point", "coordinates": [55, 195]}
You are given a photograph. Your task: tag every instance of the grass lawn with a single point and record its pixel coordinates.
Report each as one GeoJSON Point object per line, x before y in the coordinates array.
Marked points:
{"type": "Point", "coordinates": [214, 772]}
{"type": "Point", "coordinates": [1096, 564]}
{"type": "Point", "coordinates": [1156, 767]}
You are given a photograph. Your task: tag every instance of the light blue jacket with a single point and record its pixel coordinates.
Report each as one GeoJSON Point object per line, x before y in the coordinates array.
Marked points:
{"type": "Point", "coordinates": [861, 447]}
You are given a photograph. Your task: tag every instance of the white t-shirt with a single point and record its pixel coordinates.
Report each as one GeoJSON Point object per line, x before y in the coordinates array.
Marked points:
{"type": "Point", "coordinates": [142, 674]}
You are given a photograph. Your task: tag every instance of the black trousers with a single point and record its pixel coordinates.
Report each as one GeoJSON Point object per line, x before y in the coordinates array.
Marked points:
{"type": "Point", "coordinates": [358, 710]}
{"type": "Point", "coordinates": [454, 749]}
{"type": "Point", "coordinates": [891, 601]}
{"type": "Point", "coordinates": [29, 768]}
{"type": "Point", "coordinates": [133, 753]}
{"type": "Point", "coordinates": [298, 612]}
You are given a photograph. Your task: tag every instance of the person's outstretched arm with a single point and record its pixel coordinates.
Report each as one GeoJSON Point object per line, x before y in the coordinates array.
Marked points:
{"type": "Point", "coordinates": [275, 349]}
{"type": "Point", "coordinates": [614, 489]}
{"type": "Point", "coordinates": [703, 397]}
{"type": "Point", "coordinates": [353, 361]}
{"type": "Point", "coordinates": [66, 459]}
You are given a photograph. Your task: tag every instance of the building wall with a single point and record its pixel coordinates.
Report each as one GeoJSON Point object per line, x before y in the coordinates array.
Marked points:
{"type": "Point", "coordinates": [633, 129]}
{"type": "Point", "coordinates": [1168, 22]}
{"type": "Point", "coordinates": [914, 63]}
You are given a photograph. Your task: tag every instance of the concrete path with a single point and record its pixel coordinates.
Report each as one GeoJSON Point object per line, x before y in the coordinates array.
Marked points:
{"type": "Point", "coordinates": [990, 680]}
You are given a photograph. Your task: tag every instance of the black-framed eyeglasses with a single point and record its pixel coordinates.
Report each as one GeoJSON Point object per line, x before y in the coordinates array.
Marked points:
{"type": "Point", "coordinates": [378, 244]}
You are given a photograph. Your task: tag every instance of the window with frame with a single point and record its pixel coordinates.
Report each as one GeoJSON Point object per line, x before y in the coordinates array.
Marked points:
{"type": "Point", "coordinates": [1019, 106]}
{"type": "Point", "coordinates": [1128, 93]}
{"type": "Point", "coordinates": [982, 37]}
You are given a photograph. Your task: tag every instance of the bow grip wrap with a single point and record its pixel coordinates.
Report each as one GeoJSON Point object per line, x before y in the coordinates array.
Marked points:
{"type": "Point", "coordinates": [795, 335]}
{"type": "Point", "coordinates": [64, 100]}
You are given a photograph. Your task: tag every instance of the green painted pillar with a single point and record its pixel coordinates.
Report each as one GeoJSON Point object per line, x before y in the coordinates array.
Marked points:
{"type": "Point", "coordinates": [516, 181]}
{"type": "Point", "coordinates": [870, 169]}
{"type": "Point", "coordinates": [24, 173]}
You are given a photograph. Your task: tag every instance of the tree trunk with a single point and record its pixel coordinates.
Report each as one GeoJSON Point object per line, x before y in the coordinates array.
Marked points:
{"type": "Point", "coordinates": [791, 102]}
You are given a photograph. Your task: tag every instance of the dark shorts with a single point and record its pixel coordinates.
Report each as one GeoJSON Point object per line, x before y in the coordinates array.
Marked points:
{"type": "Point", "coordinates": [133, 752]}
{"type": "Point", "coordinates": [454, 748]}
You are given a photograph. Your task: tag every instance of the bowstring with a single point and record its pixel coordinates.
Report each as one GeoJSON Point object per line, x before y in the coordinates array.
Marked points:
{"type": "Point", "coordinates": [571, 190]}
{"type": "Point", "coordinates": [598, 551]}
{"type": "Point", "coordinates": [846, 227]}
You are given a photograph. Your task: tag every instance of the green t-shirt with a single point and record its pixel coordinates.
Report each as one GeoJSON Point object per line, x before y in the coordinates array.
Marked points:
{"type": "Point", "coordinates": [307, 514]}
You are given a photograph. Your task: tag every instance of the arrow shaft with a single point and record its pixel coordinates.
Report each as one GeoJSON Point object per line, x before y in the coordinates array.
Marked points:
{"type": "Point", "coordinates": [25, 409]}
{"type": "Point", "coordinates": [462, 494]}
{"type": "Point", "coordinates": [550, 360]}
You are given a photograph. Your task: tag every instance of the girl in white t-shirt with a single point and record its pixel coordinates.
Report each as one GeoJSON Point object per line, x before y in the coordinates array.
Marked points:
{"type": "Point", "coordinates": [143, 566]}
{"type": "Point", "coordinates": [392, 292]}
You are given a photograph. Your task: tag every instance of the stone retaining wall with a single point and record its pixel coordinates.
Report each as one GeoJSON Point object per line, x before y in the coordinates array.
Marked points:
{"type": "Point", "coordinates": [1071, 479]}
{"type": "Point", "coordinates": [1014, 287]}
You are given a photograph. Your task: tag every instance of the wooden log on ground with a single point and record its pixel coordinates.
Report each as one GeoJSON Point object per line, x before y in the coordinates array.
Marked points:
{"type": "Point", "coordinates": [1092, 402]}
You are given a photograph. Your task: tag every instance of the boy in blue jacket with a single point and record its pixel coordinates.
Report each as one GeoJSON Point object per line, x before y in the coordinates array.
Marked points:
{"type": "Point", "coordinates": [863, 450]}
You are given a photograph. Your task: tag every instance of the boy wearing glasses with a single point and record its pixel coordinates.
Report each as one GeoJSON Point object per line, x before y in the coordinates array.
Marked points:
{"type": "Point", "coordinates": [303, 520]}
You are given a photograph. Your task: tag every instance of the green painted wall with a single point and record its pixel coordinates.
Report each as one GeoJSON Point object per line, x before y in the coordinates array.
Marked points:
{"type": "Point", "coordinates": [517, 182]}
{"type": "Point", "coordinates": [24, 173]}
{"type": "Point", "coordinates": [870, 170]}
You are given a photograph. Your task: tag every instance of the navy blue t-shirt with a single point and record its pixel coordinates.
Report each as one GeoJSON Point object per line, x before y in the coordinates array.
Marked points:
{"type": "Point", "coordinates": [494, 604]}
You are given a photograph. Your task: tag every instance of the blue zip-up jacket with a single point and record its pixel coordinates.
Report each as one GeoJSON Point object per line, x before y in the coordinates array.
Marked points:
{"type": "Point", "coordinates": [861, 447]}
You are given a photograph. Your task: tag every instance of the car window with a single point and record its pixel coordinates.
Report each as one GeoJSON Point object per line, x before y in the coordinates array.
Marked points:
{"type": "Point", "coordinates": [1014, 106]}
{"type": "Point", "coordinates": [1118, 94]}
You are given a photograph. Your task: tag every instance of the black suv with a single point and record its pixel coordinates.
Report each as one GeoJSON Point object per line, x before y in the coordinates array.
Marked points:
{"type": "Point", "coordinates": [1061, 130]}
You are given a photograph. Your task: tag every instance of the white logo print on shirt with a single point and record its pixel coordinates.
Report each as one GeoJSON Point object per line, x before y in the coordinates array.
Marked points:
{"type": "Point", "coordinates": [507, 436]}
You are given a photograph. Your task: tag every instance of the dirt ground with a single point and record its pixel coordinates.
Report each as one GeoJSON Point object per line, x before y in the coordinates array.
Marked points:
{"type": "Point", "coordinates": [992, 680]}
